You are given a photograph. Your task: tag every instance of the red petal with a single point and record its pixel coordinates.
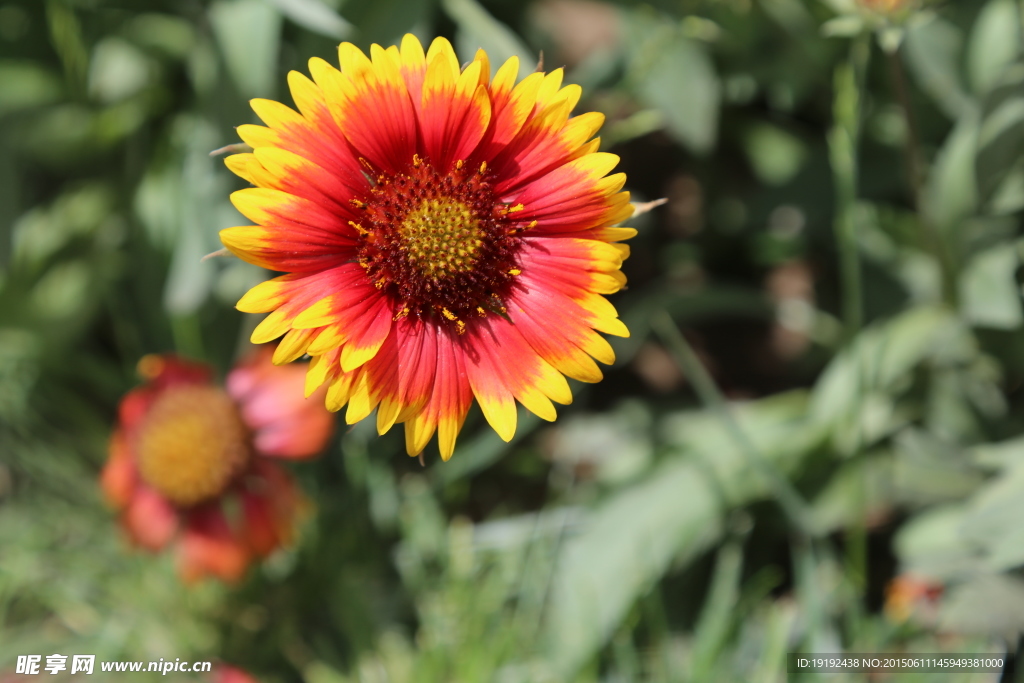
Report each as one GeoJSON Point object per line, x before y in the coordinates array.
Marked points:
{"type": "Point", "coordinates": [209, 547]}
{"type": "Point", "coordinates": [150, 519]}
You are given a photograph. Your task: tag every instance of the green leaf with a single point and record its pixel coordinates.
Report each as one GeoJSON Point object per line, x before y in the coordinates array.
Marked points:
{"type": "Point", "coordinates": [951, 194]}
{"type": "Point", "coordinates": [846, 26]}
{"type": "Point", "coordinates": [315, 16]}
{"type": "Point", "coordinates": [26, 85]}
{"type": "Point", "coordinates": [1008, 197]}
{"type": "Point", "coordinates": [775, 154]}
{"type": "Point", "coordinates": [993, 520]}
{"type": "Point", "coordinates": [989, 294]}
{"type": "Point", "coordinates": [676, 76]}
{"type": "Point", "coordinates": [931, 544]}
{"type": "Point", "coordinates": [991, 605]}
{"type": "Point", "coordinates": [1001, 135]}
{"type": "Point", "coordinates": [1000, 455]}
{"type": "Point", "coordinates": [994, 43]}
{"type": "Point", "coordinates": [627, 544]}
{"type": "Point", "coordinates": [117, 70]}
{"type": "Point", "coordinates": [718, 613]}
{"type": "Point", "coordinates": [865, 373]}
{"type": "Point", "coordinates": [204, 211]}
{"type": "Point", "coordinates": [248, 33]}
{"type": "Point", "coordinates": [631, 538]}
{"type": "Point", "coordinates": [933, 54]}
{"type": "Point", "coordinates": [478, 29]}
{"type": "Point", "coordinates": [170, 35]}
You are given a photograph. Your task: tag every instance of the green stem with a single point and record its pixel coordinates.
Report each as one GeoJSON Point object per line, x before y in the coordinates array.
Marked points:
{"type": "Point", "coordinates": [789, 499]}
{"type": "Point", "coordinates": [843, 141]}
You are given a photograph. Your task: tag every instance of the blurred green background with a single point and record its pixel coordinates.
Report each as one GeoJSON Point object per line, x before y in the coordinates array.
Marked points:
{"type": "Point", "coordinates": [821, 393]}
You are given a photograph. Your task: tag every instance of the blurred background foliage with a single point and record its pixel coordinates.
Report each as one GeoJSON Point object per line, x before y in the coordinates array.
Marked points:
{"type": "Point", "coordinates": [813, 440]}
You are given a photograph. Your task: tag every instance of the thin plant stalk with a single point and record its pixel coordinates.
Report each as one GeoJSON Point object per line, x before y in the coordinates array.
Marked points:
{"type": "Point", "coordinates": [789, 499]}
{"type": "Point", "coordinates": [844, 141]}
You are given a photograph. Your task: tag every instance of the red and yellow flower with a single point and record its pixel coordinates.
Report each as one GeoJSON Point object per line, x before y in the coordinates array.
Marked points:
{"type": "Point", "coordinates": [194, 461]}
{"type": "Point", "coordinates": [444, 236]}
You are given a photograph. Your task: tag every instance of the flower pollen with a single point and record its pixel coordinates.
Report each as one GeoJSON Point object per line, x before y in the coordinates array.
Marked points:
{"type": "Point", "coordinates": [441, 245]}
{"type": "Point", "coordinates": [192, 444]}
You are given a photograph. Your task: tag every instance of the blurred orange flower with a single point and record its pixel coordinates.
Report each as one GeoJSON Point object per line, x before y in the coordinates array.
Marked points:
{"type": "Point", "coordinates": [225, 673]}
{"type": "Point", "coordinates": [888, 7]}
{"type": "Point", "coordinates": [907, 593]}
{"type": "Point", "coordinates": [194, 461]}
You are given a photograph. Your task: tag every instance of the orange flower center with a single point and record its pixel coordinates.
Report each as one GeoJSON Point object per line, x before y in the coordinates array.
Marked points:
{"type": "Point", "coordinates": [441, 245]}
{"type": "Point", "coordinates": [192, 443]}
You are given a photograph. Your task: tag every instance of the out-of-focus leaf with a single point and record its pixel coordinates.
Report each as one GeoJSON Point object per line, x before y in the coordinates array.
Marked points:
{"type": "Point", "coordinates": [993, 520]}
{"type": "Point", "coordinates": [63, 291]}
{"type": "Point", "coordinates": [628, 543]}
{"type": "Point", "coordinates": [862, 484]}
{"type": "Point", "coordinates": [845, 26]}
{"type": "Point", "coordinates": [26, 85]}
{"type": "Point", "coordinates": [675, 75]}
{"type": "Point", "coordinates": [204, 211]}
{"type": "Point", "coordinates": [168, 34]}
{"type": "Point", "coordinates": [926, 469]}
{"type": "Point", "coordinates": [877, 359]}
{"type": "Point", "coordinates": [117, 71]}
{"type": "Point", "coordinates": [1001, 133]}
{"type": "Point", "coordinates": [315, 16]}
{"type": "Point", "coordinates": [933, 53]}
{"type": "Point", "coordinates": [931, 544]}
{"type": "Point", "coordinates": [630, 539]}
{"type": "Point", "coordinates": [791, 14]}
{"type": "Point", "coordinates": [991, 605]}
{"type": "Point", "coordinates": [478, 29]}
{"type": "Point", "coordinates": [951, 194]}
{"type": "Point", "coordinates": [248, 33]}
{"type": "Point", "coordinates": [718, 613]}
{"type": "Point", "coordinates": [1000, 455]}
{"type": "Point", "coordinates": [616, 444]}
{"type": "Point", "coordinates": [385, 21]}
{"type": "Point", "coordinates": [41, 233]}
{"type": "Point", "coordinates": [1008, 197]}
{"type": "Point", "coordinates": [66, 36]}
{"type": "Point", "coordinates": [989, 294]}
{"type": "Point", "coordinates": [994, 43]}
{"type": "Point", "coordinates": [775, 154]}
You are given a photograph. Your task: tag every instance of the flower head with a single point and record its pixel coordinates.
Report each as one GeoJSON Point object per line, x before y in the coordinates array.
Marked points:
{"type": "Point", "coordinates": [444, 236]}
{"type": "Point", "coordinates": [910, 594]}
{"type": "Point", "coordinates": [186, 450]}
{"type": "Point", "coordinates": [889, 8]}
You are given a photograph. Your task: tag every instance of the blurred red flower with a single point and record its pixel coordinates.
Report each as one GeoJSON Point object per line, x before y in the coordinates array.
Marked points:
{"type": "Point", "coordinates": [224, 673]}
{"type": "Point", "coordinates": [193, 462]}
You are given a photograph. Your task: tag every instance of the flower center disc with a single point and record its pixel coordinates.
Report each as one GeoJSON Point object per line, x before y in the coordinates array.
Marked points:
{"type": "Point", "coordinates": [192, 443]}
{"type": "Point", "coordinates": [441, 238]}
{"type": "Point", "coordinates": [441, 245]}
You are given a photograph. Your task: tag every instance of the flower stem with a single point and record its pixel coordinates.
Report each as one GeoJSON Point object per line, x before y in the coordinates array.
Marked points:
{"type": "Point", "coordinates": [789, 499]}
{"type": "Point", "coordinates": [843, 142]}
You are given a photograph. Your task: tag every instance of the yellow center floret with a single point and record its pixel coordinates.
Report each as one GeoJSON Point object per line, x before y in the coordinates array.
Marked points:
{"type": "Point", "coordinates": [192, 443]}
{"type": "Point", "coordinates": [441, 237]}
